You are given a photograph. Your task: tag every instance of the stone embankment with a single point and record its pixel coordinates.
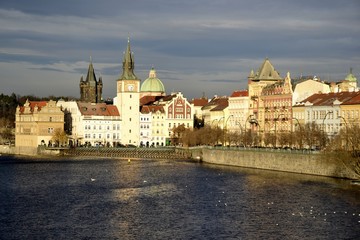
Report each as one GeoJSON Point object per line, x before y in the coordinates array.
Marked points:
{"type": "Point", "coordinates": [133, 153]}
{"type": "Point", "coordinates": [314, 163]}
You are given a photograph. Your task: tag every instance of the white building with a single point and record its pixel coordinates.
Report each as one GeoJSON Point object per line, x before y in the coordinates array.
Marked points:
{"type": "Point", "coordinates": [325, 110]}
{"type": "Point", "coordinates": [216, 112]}
{"type": "Point", "coordinates": [166, 113]}
{"type": "Point", "coordinates": [146, 138]}
{"type": "Point", "coordinates": [238, 110]}
{"type": "Point", "coordinates": [307, 88]}
{"type": "Point", "coordinates": [92, 124]}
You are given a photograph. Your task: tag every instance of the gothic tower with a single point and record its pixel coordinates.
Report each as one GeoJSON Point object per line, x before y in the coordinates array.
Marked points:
{"type": "Point", "coordinates": [127, 100]}
{"type": "Point", "coordinates": [91, 89]}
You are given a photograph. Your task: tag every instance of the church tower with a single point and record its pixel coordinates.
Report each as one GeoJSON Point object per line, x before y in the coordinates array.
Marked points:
{"type": "Point", "coordinates": [127, 100]}
{"type": "Point", "coordinates": [91, 89]}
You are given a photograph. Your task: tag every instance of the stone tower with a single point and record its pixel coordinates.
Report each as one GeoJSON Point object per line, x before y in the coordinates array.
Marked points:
{"type": "Point", "coordinates": [91, 89]}
{"type": "Point", "coordinates": [127, 100]}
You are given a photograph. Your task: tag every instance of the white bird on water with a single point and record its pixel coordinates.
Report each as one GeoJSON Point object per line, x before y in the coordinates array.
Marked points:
{"type": "Point", "coordinates": [92, 179]}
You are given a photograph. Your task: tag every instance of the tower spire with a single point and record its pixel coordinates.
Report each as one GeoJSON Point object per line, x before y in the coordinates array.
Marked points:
{"type": "Point", "coordinates": [128, 63]}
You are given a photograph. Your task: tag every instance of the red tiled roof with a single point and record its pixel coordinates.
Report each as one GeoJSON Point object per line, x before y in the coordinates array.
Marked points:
{"type": "Point", "coordinates": [145, 100]}
{"type": "Point", "coordinates": [222, 105]}
{"type": "Point", "coordinates": [218, 103]}
{"type": "Point", "coordinates": [241, 93]}
{"type": "Point", "coordinates": [151, 108]}
{"type": "Point", "coordinates": [325, 99]}
{"type": "Point", "coordinates": [199, 102]}
{"type": "Point", "coordinates": [353, 101]}
{"type": "Point", "coordinates": [98, 109]}
{"type": "Point", "coordinates": [33, 104]}
{"type": "Point", "coordinates": [168, 97]}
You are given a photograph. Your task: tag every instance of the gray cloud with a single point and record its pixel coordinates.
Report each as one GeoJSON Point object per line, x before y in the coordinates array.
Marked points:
{"type": "Point", "coordinates": [189, 42]}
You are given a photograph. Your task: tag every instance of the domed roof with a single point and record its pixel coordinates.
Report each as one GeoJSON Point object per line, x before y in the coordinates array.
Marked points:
{"type": "Point", "coordinates": [152, 84]}
{"type": "Point", "coordinates": [350, 77]}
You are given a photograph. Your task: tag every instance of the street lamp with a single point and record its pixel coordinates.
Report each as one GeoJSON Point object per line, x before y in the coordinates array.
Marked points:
{"type": "Point", "coordinates": [228, 120]}
{"type": "Point", "coordinates": [276, 119]}
{"type": "Point", "coordinates": [225, 126]}
{"type": "Point", "coordinates": [217, 126]}
{"type": "Point", "coordinates": [220, 120]}
{"type": "Point", "coordinates": [298, 123]}
{"type": "Point", "coordinates": [238, 123]}
{"type": "Point", "coordinates": [300, 138]}
{"type": "Point", "coordinates": [213, 122]}
{"type": "Point", "coordinates": [323, 122]}
{"type": "Point", "coordinates": [245, 140]}
{"type": "Point", "coordinates": [346, 127]}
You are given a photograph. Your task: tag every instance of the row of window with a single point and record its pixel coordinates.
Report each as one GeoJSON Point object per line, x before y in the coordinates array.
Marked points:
{"type": "Point", "coordinates": [100, 136]}
{"type": "Point", "coordinates": [179, 116]}
{"type": "Point", "coordinates": [278, 103]}
{"type": "Point", "coordinates": [351, 114]}
{"type": "Point", "coordinates": [99, 127]}
{"type": "Point", "coordinates": [144, 119]}
{"type": "Point", "coordinates": [322, 114]}
{"type": "Point", "coordinates": [178, 124]}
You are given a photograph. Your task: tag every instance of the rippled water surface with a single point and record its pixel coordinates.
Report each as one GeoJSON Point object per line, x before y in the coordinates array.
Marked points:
{"type": "Point", "coordinates": [114, 199]}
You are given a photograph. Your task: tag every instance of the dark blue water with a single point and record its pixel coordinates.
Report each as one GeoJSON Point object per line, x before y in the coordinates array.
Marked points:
{"type": "Point", "coordinates": [114, 199]}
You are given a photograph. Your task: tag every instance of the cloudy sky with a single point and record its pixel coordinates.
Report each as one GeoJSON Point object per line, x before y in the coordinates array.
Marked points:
{"type": "Point", "coordinates": [196, 46]}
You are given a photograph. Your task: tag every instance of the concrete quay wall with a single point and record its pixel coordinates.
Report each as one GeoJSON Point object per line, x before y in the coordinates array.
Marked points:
{"type": "Point", "coordinates": [305, 163]}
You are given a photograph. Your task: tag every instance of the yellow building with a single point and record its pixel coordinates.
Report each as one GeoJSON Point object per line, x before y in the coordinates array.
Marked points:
{"type": "Point", "coordinates": [216, 112]}
{"type": "Point", "coordinates": [35, 124]}
{"type": "Point", "coordinates": [350, 111]}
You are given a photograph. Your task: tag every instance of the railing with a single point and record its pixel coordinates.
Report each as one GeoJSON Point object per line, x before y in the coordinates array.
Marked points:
{"type": "Point", "coordinates": [140, 153]}
{"type": "Point", "coordinates": [265, 149]}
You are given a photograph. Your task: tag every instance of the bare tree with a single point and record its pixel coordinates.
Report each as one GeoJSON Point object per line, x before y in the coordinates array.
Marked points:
{"type": "Point", "coordinates": [59, 136]}
{"type": "Point", "coordinates": [7, 135]}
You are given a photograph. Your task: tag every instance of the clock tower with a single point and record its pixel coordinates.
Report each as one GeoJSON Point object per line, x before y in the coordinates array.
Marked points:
{"type": "Point", "coordinates": [128, 98]}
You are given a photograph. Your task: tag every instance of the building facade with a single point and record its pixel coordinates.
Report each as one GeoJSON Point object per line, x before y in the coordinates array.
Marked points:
{"type": "Point", "coordinates": [238, 110]}
{"type": "Point", "coordinates": [275, 111]}
{"type": "Point", "coordinates": [165, 113]}
{"type": "Point", "coordinates": [215, 111]}
{"type": "Point", "coordinates": [331, 110]}
{"type": "Point", "coordinates": [36, 123]}
{"type": "Point", "coordinates": [100, 124]}
{"type": "Point", "coordinates": [92, 124]}
{"type": "Point", "coordinates": [308, 87]}
{"type": "Point", "coordinates": [266, 75]}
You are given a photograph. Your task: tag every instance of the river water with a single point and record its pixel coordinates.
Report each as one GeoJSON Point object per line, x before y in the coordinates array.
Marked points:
{"type": "Point", "coordinates": [167, 199]}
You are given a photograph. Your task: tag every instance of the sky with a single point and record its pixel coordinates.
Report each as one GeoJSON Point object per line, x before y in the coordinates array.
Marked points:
{"type": "Point", "coordinates": [198, 47]}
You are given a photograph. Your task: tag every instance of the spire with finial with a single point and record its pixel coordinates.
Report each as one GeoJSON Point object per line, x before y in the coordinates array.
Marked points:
{"type": "Point", "coordinates": [152, 73]}
{"type": "Point", "coordinates": [90, 77]}
{"type": "Point", "coordinates": [351, 77]}
{"type": "Point", "coordinates": [128, 63]}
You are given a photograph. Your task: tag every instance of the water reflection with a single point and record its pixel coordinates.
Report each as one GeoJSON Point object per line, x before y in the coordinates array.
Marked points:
{"type": "Point", "coordinates": [113, 199]}
{"type": "Point", "coordinates": [134, 194]}
{"type": "Point", "coordinates": [295, 206]}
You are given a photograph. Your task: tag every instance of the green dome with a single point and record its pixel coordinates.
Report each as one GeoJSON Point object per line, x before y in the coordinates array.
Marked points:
{"type": "Point", "coordinates": [350, 77]}
{"type": "Point", "coordinates": [152, 84]}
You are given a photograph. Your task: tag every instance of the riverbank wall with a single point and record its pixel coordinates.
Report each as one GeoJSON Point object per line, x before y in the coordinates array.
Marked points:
{"type": "Point", "coordinates": [313, 163]}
